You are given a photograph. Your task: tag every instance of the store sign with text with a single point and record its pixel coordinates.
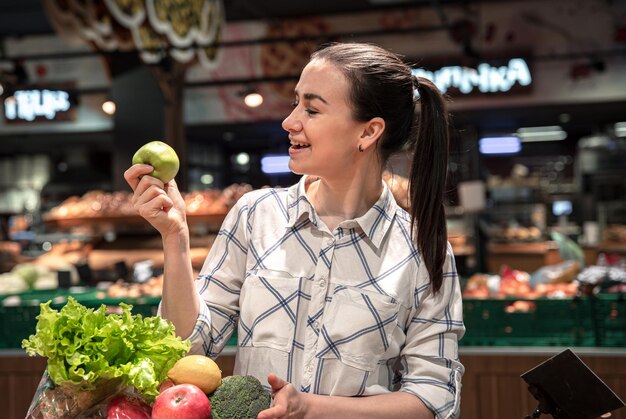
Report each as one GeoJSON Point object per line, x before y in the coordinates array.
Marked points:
{"type": "Point", "coordinates": [485, 78]}
{"type": "Point", "coordinates": [38, 105]}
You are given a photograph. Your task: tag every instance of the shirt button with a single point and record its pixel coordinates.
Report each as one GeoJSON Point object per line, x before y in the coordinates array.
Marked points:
{"type": "Point", "coordinates": [316, 325]}
{"type": "Point", "coordinates": [322, 283]}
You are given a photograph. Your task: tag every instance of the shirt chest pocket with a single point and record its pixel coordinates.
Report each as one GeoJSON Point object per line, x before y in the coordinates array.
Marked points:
{"type": "Point", "coordinates": [268, 302]}
{"type": "Point", "coordinates": [358, 327]}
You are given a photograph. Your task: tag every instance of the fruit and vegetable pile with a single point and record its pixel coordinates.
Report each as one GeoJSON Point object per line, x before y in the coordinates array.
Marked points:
{"type": "Point", "coordinates": [195, 389]}
{"type": "Point", "coordinates": [96, 203]}
{"type": "Point", "coordinates": [554, 281]}
{"type": "Point", "coordinates": [129, 366]}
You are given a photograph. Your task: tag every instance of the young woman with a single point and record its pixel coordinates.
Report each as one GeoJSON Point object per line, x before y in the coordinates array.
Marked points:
{"type": "Point", "coordinates": [335, 290]}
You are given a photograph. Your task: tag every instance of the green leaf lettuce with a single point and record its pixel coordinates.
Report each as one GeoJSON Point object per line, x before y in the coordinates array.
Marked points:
{"type": "Point", "coordinates": [86, 346]}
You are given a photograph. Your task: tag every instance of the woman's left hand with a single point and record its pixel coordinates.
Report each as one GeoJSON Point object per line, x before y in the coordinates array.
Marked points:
{"type": "Point", "coordinates": [288, 402]}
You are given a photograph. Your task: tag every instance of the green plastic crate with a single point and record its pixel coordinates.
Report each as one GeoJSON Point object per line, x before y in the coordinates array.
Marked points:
{"type": "Point", "coordinates": [17, 323]}
{"type": "Point", "coordinates": [609, 313]}
{"type": "Point", "coordinates": [565, 322]}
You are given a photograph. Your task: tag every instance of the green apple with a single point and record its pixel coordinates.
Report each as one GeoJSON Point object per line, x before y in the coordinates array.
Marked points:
{"type": "Point", "coordinates": [161, 157]}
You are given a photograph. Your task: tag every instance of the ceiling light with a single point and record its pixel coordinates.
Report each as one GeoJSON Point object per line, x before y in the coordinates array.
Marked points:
{"type": "Point", "coordinates": [620, 129]}
{"type": "Point", "coordinates": [564, 118]}
{"type": "Point", "coordinates": [242, 159]}
{"type": "Point", "coordinates": [549, 133]}
{"type": "Point", "coordinates": [253, 99]}
{"type": "Point", "coordinates": [207, 179]}
{"type": "Point", "coordinates": [1, 89]}
{"type": "Point", "coordinates": [275, 164]}
{"type": "Point", "coordinates": [108, 107]}
{"type": "Point", "coordinates": [499, 145]}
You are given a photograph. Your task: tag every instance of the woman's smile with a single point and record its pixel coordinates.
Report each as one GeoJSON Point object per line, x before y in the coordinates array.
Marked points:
{"type": "Point", "coordinates": [297, 147]}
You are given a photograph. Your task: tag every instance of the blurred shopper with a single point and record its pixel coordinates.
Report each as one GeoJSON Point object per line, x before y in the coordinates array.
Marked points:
{"type": "Point", "coordinates": [335, 290]}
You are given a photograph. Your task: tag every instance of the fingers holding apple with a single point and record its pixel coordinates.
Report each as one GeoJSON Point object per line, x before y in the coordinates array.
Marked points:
{"type": "Point", "coordinates": [135, 173]}
{"type": "Point", "coordinates": [182, 401]}
{"type": "Point", "coordinates": [161, 157]}
{"type": "Point", "coordinates": [151, 193]}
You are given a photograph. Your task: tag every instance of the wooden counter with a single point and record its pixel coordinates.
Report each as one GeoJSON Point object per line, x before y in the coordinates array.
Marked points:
{"type": "Point", "coordinates": [19, 377]}
{"type": "Point", "coordinates": [492, 387]}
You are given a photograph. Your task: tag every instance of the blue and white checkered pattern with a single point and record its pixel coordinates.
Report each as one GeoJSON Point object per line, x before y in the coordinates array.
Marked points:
{"type": "Point", "coordinates": [348, 312]}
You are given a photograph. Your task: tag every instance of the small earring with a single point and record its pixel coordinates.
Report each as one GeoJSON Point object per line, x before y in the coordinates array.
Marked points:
{"type": "Point", "coordinates": [360, 148]}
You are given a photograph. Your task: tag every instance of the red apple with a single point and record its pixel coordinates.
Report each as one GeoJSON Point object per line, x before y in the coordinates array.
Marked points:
{"type": "Point", "coordinates": [127, 407]}
{"type": "Point", "coordinates": [183, 401]}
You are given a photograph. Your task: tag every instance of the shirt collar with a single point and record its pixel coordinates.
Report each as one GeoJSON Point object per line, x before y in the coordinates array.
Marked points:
{"type": "Point", "coordinates": [298, 204]}
{"type": "Point", "coordinates": [375, 222]}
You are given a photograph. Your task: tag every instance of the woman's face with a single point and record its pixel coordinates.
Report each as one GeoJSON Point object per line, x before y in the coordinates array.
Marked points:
{"type": "Point", "coordinates": [322, 132]}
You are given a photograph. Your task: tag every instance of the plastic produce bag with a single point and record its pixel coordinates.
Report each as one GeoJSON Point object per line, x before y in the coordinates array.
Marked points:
{"type": "Point", "coordinates": [564, 272]}
{"type": "Point", "coordinates": [53, 401]}
{"type": "Point", "coordinates": [568, 249]}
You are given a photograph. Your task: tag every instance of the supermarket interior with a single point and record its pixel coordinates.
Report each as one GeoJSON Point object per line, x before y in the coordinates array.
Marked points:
{"type": "Point", "coordinates": [536, 185]}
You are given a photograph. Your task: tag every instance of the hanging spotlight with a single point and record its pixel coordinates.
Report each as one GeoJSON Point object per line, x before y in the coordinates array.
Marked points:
{"type": "Point", "coordinates": [253, 99]}
{"type": "Point", "coordinates": [242, 158]}
{"type": "Point", "coordinates": [207, 179]}
{"type": "Point", "coordinates": [108, 107]}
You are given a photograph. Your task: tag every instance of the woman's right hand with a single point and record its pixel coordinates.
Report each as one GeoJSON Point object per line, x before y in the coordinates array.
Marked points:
{"type": "Point", "coordinates": [160, 204]}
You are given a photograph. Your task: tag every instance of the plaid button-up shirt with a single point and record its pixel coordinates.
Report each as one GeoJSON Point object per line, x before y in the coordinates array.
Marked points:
{"type": "Point", "coordinates": [348, 312]}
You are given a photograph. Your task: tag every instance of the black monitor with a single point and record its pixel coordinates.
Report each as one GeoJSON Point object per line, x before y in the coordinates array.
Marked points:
{"type": "Point", "coordinates": [567, 388]}
{"type": "Point", "coordinates": [562, 207]}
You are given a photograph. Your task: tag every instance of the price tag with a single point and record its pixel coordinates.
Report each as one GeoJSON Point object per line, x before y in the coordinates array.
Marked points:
{"type": "Point", "coordinates": [143, 271]}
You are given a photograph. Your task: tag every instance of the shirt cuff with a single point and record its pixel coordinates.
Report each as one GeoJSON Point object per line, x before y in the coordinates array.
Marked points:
{"type": "Point", "coordinates": [444, 400]}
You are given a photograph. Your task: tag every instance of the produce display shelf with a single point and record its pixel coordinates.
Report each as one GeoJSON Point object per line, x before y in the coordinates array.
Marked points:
{"type": "Point", "coordinates": [67, 222]}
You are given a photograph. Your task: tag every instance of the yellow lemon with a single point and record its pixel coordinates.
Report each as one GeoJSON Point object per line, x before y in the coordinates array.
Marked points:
{"type": "Point", "coordinates": [199, 370]}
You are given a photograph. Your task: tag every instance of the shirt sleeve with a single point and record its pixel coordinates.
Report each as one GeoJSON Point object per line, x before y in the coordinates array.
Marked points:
{"type": "Point", "coordinates": [433, 371]}
{"type": "Point", "coordinates": [219, 284]}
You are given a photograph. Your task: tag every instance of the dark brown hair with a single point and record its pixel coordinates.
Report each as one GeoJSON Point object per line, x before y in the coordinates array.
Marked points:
{"type": "Point", "coordinates": [382, 85]}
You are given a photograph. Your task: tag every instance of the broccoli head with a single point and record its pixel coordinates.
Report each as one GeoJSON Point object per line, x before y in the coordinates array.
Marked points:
{"type": "Point", "coordinates": [239, 397]}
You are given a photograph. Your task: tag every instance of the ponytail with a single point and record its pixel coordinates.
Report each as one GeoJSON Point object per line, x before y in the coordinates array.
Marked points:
{"type": "Point", "coordinates": [428, 180]}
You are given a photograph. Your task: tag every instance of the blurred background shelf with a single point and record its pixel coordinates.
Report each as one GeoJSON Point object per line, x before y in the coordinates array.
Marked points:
{"type": "Point", "coordinates": [120, 220]}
